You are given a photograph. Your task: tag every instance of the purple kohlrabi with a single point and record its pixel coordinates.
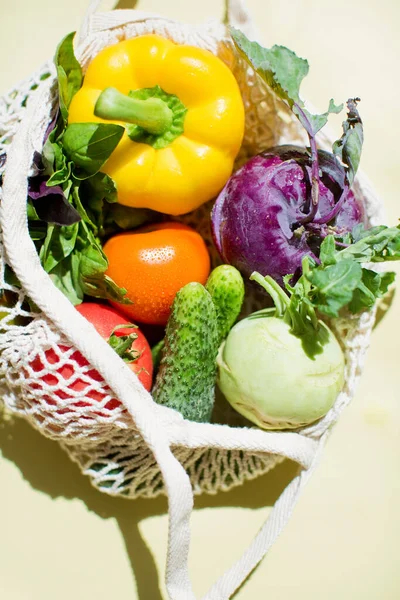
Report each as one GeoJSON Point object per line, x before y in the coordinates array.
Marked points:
{"type": "Point", "coordinates": [264, 219]}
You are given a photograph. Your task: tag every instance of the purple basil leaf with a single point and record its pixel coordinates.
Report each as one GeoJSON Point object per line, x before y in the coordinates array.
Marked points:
{"type": "Point", "coordinates": [51, 126]}
{"type": "Point", "coordinates": [37, 169]}
{"type": "Point", "coordinates": [50, 203]}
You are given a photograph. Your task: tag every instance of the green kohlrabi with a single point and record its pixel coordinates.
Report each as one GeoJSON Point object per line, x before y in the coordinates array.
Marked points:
{"type": "Point", "coordinates": [281, 368]}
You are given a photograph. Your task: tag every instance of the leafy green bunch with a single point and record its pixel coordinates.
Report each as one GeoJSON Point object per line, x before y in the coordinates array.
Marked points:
{"type": "Point", "coordinates": [72, 204]}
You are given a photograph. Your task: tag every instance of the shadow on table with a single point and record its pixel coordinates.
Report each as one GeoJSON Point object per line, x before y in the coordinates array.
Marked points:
{"type": "Point", "coordinates": [47, 468]}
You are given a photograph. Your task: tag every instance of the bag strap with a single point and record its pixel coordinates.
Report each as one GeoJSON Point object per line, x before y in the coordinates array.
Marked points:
{"type": "Point", "coordinates": [277, 519]}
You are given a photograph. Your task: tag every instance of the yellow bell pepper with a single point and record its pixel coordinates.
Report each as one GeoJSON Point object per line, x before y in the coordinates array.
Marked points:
{"type": "Point", "coordinates": [183, 116]}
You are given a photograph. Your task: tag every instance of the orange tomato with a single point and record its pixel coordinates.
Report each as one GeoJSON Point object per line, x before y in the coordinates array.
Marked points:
{"type": "Point", "coordinates": [152, 264]}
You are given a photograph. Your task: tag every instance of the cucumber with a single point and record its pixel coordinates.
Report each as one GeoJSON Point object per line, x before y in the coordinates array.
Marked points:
{"type": "Point", "coordinates": [186, 376]}
{"type": "Point", "coordinates": [226, 287]}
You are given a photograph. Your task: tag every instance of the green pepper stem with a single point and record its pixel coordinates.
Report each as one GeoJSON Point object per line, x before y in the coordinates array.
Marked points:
{"type": "Point", "coordinates": [153, 114]}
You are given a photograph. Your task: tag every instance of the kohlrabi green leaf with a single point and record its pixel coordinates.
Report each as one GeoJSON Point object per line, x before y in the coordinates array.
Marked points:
{"type": "Point", "coordinates": [296, 311]}
{"type": "Point", "coordinates": [280, 68]}
{"type": "Point", "coordinates": [316, 122]}
{"type": "Point", "coordinates": [360, 231]}
{"type": "Point", "coordinates": [283, 71]}
{"type": "Point", "coordinates": [334, 285]}
{"type": "Point", "coordinates": [348, 147]}
{"type": "Point", "coordinates": [341, 279]}
{"type": "Point", "coordinates": [372, 286]}
{"type": "Point", "coordinates": [387, 279]}
{"type": "Point", "coordinates": [69, 73]}
{"type": "Point", "coordinates": [377, 244]}
{"type": "Point", "coordinates": [327, 253]}
{"type": "Point", "coordinates": [89, 145]}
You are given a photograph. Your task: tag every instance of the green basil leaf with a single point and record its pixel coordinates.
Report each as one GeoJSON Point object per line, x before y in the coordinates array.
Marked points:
{"type": "Point", "coordinates": [31, 211]}
{"type": "Point", "coordinates": [37, 231]}
{"type": "Point", "coordinates": [100, 187]}
{"type": "Point", "coordinates": [76, 198]}
{"type": "Point", "coordinates": [58, 244]}
{"type": "Point", "coordinates": [10, 277]}
{"type": "Point", "coordinates": [93, 278]}
{"type": "Point", "coordinates": [48, 156]}
{"type": "Point", "coordinates": [99, 197]}
{"type": "Point", "coordinates": [61, 175]}
{"type": "Point", "coordinates": [66, 277]}
{"type": "Point", "coordinates": [53, 158]}
{"type": "Point", "coordinates": [119, 217]}
{"type": "Point", "coordinates": [60, 160]}
{"type": "Point", "coordinates": [89, 145]}
{"type": "Point", "coordinates": [69, 73]}
{"type": "Point", "coordinates": [96, 194]}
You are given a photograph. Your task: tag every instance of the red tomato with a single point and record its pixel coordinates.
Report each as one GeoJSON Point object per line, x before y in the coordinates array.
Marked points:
{"type": "Point", "coordinates": [105, 319]}
{"type": "Point", "coordinates": [64, 377]}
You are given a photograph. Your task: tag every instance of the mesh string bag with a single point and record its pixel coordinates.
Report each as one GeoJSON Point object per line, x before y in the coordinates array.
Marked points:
{"type": "Point", "coordinates": [60, 375]}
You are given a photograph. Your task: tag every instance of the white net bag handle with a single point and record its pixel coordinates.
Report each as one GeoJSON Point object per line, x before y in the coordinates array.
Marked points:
{"type": "Point", "coordinates": [236, 14]}
{"type": "Point", "coordinates": [148, 418]}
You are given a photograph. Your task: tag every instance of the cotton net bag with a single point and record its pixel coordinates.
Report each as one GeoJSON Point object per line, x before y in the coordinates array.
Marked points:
{"type": "Point", "coordinates": [138, 448]}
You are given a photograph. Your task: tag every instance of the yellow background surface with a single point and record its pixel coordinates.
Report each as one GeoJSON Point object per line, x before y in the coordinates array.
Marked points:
{"type": "Point", "coordinates": [62, 539]}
